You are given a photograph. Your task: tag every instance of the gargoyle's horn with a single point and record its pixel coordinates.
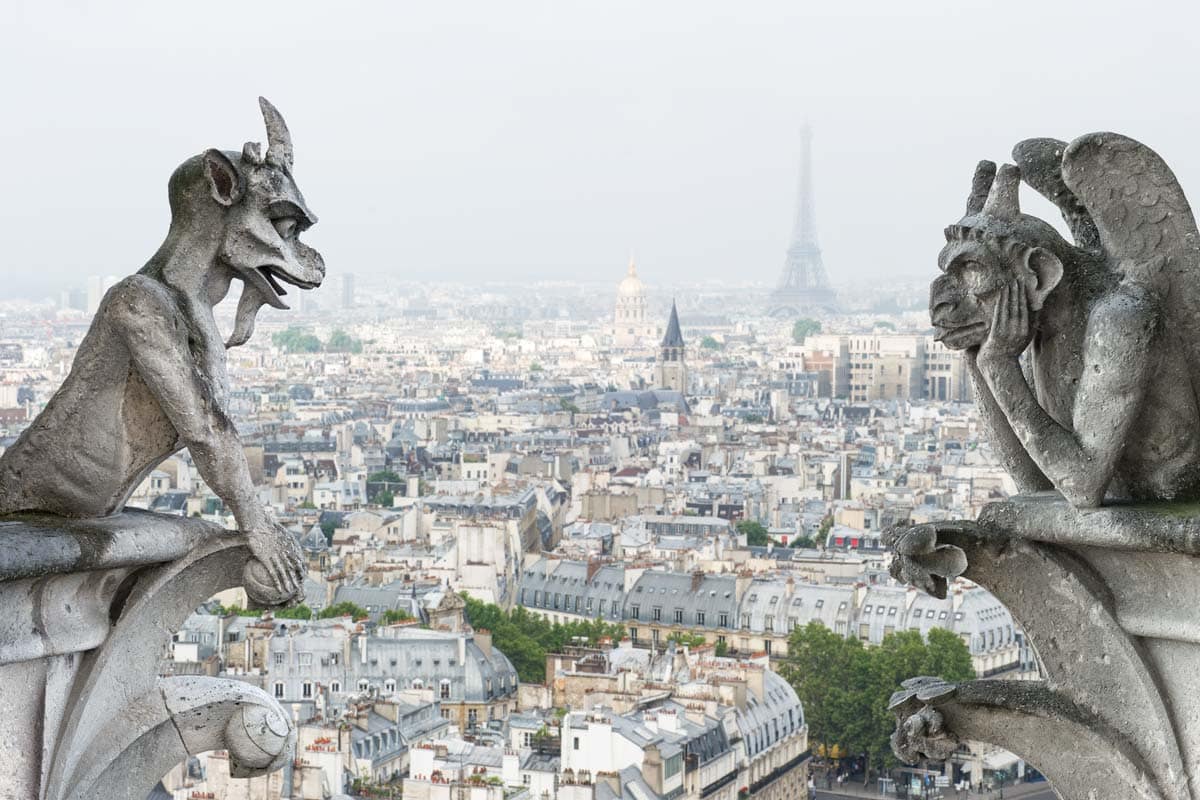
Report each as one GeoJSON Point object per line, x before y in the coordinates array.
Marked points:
{"type": "Point", "coordinates": [279, 141]}
{"type": "Point", "coordinates": [1002, 200]}
{"type": "Point", "coordinates": [985, 173]}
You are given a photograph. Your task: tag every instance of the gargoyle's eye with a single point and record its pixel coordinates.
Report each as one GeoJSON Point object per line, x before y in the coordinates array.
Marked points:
{"type": "Point", "coordinates": [285, 226]}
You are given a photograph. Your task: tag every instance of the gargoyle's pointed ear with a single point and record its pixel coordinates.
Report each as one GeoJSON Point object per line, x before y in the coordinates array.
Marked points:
{"type": "Point", "coordinates": [1049, 271]}
{"type": "Point", "coordinates": [224, 180]}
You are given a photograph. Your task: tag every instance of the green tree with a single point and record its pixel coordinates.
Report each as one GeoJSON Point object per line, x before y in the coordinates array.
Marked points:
{"type": "Point", "coordinates": [385, 498]}
{"type": "Point", "coordinates": [845, 687]}
{"type": "Point", "coordinates": [384, 476]}
{"type": "Point", "coordinates": [235, 611]}
{"type": "Point", "coordinates": [803, 541]}
{"type": "Point", "coordinates": [709, 343]}
{"type": "Point", "coordinates": [722, 649]}
{"type": "Point", "coordinates": [294, 612]}
{"type": "Point", "coordinates": [526, 638]}
{"type": "Point", "coordinates": [297, 340]}
{"type": "Point", "coordinates": [567, 405]}
{"type": "Point", "coordinates": [535, 367]}
{"type": "Point", "coordinates": [804, 328]}
{"type": "Point", "coordinates": [394, 615]}
{"type": "Point", "coordinates": [687, 639]}
{"type": "Point", "coordinates": [344, 609]}
{"type": "Point", "coordinates": [885, 325]}
{"type": "Point", "coordinates": [328, 526]}
{"type": "Point", "coordinates": [756, 534]}
{"type": "Point", "coordinates": [342, 342]}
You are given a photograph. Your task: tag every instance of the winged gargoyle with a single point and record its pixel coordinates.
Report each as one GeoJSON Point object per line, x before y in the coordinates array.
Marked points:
{"type": "Point", "coordinates": [149, 378]}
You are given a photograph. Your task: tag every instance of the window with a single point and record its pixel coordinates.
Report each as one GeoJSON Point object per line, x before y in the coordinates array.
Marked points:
{"type": "Point", "coordinates": [656, 613]}
{"type": "Point", "coordinates": [576, 742]}
{"type": "Point", "coordinates": [819, 604]}
{"type": "Point", "coordinates": [723, 620]}
{"type": "Point", "coordinates": [525, 779]}
{"type": "Point", "coordinates": [679, 615]}
{"type": "Point", "coordinates": [633, 634]}
{"type": "Point", "coordinates": [389, 685]}
{"type": "Point", "coordinates": [942, 615]}
{"type": "Point", "coordinates": [279, 659]}
{"type": "Point", "coordinates": [769, 624]}
{"type": "Point", "coordinates": [866, 609]}
{"type": "Point", "coordinates": [445, 690]}
{"type": "Point", "coordinates": [279, 690]}
{"type": "Point", "coordinates": [699, 617]}
{"type": "Point", "coordinates": [588, 606]}
{"type": "Point", "coordinates": [892, 611]}
{"type": "Point", "coordinates": [306, 690]}
{"type": "Point", "coordinates": [879, 611]}
{"type": "Point", "coordinates": [637, 611]}
{"type": "Point", "coordinates": [363, 684]}
{"type": "Point", "coordinates": [767, 646]}
{"type": "Point", "coordinates": [334, 657]}
{"type": "Point", "coordinates": [929, 614]}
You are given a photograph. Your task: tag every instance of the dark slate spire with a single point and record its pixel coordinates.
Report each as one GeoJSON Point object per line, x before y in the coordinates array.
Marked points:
{"type": "Point", "coordinates": [673, 337]}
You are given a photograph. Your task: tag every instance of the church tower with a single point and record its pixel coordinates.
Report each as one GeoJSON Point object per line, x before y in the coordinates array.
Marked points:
{"type": "Point", "coordinates": [629, 318]}
{"type": "Point", "coordinates": [671, 370]}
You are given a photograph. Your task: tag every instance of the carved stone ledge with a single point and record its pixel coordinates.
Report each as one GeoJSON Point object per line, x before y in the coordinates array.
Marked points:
{"type": "Point", "coordinates": [1108, 599]}
{"type": "Point", "coordinates": [90, 607]}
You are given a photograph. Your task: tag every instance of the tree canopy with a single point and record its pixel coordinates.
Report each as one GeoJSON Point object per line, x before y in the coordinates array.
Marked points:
{"type": "Point", "coordinates": [526, 638]}
{"type": "Point", "coordinates": [294, 612]}
{"type": "Point", "coordinates": [804, 328]}
{"type": "Point", "coordinates": [342, 342]}
{"type": "Point", "coordinates": [297, 340]}
{"type": "Point", "coordinates": [709, 343]}
{"type": "Point", "coordinates": [756, 534]}
{"type": "Point", "coordinates": [845, 687]}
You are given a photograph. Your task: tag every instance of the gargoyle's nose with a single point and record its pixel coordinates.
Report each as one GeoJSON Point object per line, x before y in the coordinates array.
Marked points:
{"type": "Point", "coordinates": [941, 312]}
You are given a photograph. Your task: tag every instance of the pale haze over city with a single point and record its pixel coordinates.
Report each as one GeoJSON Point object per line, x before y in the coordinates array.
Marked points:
{"type": "Point", "coordinates": [518, 141]}
{"type": "Point", "coordinates": [599, 401]}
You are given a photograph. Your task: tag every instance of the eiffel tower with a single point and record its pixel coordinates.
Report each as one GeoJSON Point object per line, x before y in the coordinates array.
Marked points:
{"type": "Point", "coordinates": [803, 287]}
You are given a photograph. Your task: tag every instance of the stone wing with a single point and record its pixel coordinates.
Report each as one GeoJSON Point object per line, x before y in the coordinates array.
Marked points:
{"type": "Point", "coordinates": [1135, 202]}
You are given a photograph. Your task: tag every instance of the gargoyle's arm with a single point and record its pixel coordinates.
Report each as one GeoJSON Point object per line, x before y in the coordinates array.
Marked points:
{"type": "Point", "coordinates": [1025, 473]}
{"type": "Point", "coordinates": [144, 316]}
{"type": "Point", "coordinates": [1118, 361]}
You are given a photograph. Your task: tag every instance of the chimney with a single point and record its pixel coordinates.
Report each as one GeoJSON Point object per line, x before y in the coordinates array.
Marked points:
{"type": "Point", "coordinates": [613, 779]}
{"type": "Point", "coordinates": [483, 639]}
{"type": "Point", "coordinates": [592, 568]}
{"type": "Point", "coordinates": [697, 579]}
{"type": "Point", "coordinates": [652, 768]}
{"type": "Point", "coordinates": [755, 680]}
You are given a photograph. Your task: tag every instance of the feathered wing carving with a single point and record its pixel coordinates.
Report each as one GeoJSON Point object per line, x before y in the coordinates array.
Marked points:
{"type": "Point", "coordinates": [1137, 204]}
{"type": "Point", "coordinates": [1146, 228]}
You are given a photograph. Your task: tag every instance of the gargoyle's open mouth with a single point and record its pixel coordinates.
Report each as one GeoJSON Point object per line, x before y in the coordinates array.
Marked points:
{"type": "Point", "coordinates": [273, 275]}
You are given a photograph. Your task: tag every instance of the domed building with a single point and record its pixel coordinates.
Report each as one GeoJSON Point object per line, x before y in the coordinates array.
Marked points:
{"type": "Point", "coordinates": [630, 326]}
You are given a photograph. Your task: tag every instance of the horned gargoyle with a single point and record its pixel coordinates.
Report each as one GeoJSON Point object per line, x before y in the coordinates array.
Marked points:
{"type": "Point", "coordinates": [150, 378]}
{"type": "Point", "coordinates": [1104, 410]}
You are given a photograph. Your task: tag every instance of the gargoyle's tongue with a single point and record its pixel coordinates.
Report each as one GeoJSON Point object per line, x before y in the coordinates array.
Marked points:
{"type": "Point", "coordinates": [247, 309]}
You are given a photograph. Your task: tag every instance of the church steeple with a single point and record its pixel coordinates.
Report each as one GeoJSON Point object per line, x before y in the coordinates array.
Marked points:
{"type": "Point", "coordinates": [674, 336]}
{"type": "Point", "coordinates": [671, 369]}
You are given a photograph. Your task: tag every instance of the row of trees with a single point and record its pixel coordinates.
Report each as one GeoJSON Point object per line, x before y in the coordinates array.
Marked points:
{"type": "Point", "coordinates": [526, 638]}
{"type": "Point", "coordinates": [301, 340]}
{"type": "Point", "coordinates": [845, 687]}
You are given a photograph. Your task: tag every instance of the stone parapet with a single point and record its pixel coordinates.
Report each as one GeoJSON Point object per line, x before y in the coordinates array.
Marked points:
{"type": "Point", "coordinates": [90, 607]}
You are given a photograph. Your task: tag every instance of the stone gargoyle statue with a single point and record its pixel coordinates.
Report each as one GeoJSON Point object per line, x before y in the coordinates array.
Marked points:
{"type": "Point", "coordinates": [150, 375]}
{"type": "Point", "coordinates": [1085, 361]}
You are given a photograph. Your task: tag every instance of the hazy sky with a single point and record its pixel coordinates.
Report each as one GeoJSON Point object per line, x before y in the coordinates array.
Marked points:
{"type": "Point", "coordinates": [523, 140]}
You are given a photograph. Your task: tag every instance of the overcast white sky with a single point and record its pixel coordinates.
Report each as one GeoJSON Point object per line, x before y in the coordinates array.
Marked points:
{"type": "Point", "coordinates": [521, 140]}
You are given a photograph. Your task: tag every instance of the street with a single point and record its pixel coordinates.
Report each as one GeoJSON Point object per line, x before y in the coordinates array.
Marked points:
{"type": "Point", "coordinates": [1045, 793]}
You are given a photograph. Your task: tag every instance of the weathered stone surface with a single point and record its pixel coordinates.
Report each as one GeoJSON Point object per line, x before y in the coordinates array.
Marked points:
{"type": "Point", "coordinates": [1103, 581]}
{"type": "Point", "coordinates": [150, 375]}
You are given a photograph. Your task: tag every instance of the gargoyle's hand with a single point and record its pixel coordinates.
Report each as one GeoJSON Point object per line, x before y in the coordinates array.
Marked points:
{"type": "Point", "coordinates": [1011, 331]}
{"type": "Point", "coordinates": [918, 559]}
{"type": "Point", "coordinates": [281, 564]}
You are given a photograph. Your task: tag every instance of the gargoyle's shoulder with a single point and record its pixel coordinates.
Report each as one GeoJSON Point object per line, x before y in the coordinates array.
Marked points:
{"type": "Point", "coordinates": [138, 300]}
